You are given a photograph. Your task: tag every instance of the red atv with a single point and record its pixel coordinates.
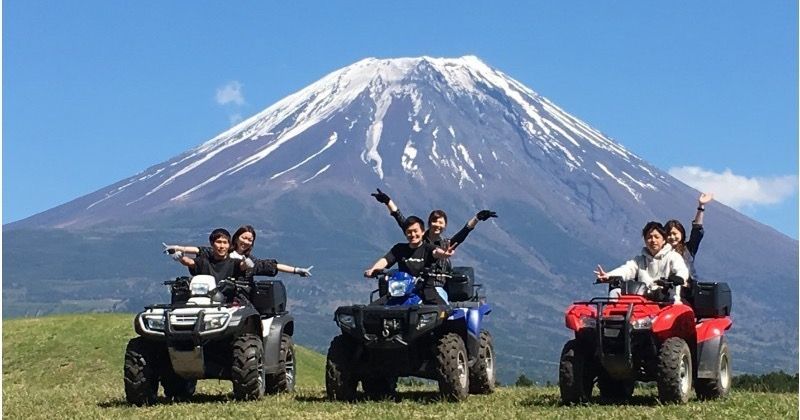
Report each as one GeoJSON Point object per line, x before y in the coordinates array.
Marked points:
{"type": "Point", "coordinates": [619, 341]}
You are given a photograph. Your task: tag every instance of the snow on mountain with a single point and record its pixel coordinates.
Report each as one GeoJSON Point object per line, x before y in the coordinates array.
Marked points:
{"type": "Point", "coordinates": [352, 104]}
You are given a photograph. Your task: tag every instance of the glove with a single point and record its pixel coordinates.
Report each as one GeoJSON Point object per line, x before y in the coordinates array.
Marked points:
{"type": "Point", "coordinates": [381, 196]}
{"type": "Point", "coordinates": [303, 272]}
{"type": "Point", "coordinates": [176, 255]}
{"type": "Point", "coordinates": [484, 215]}
{"type": "Point", "coordinates": [236, 256]}
{"type": "Point", "coordinates": [170, 249]}
{"type": "Point", "coordinates": [249, 263]}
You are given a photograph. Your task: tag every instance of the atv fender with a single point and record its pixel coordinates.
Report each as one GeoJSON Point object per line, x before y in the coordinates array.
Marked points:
{"type": "Point", "coordinates": [574, 313]}
{"type": "Point", "coordinates": [709, 339]}
{"type": "Point", "coordinates": [275, 327]}
{"type": "Point", "coordinates": [241, 321]}
{"type": "Point", "coordinates": [470, 329]}
{"type": "Point", "coordinates": [674, 321]}
{"type": "Point", "coordinates": [712, 328]}
{"type": "Point", "coordinates": [708, 357]}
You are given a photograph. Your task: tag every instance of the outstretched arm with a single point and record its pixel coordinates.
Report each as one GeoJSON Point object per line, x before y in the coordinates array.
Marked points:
{"type": "Point", "coordinates": [383, 198]}
{"type": "Point", "coordinates": [461, 235]}
{"type": "Point", "coordinates": [178, 255]}
{"type": "Point", "coordinates": [302, 272]}
{"type": "Point", "coordinates": [182, 248]}
{"type": "Point", "coordinates": [627, 271]}
{"type": "Point", "coordinates": [696, 235]}
{"type": "Point", "coordinates": [704, 199]}
{"type": "Point", "coordinates": [379, 265]}
{"type": "Point", "coordinates": [181, 258]}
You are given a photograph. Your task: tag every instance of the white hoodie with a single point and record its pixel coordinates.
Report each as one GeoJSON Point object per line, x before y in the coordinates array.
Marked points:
{"type": "Point", "coordinates": [647, 268]}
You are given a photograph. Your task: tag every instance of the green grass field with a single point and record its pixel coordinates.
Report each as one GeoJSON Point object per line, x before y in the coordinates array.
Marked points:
{"type": "Point", "coordinates": [71, 367]}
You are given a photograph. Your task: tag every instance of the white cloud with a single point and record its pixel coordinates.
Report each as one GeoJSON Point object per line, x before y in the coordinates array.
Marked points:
{"type": "Point", "coordinates": [735, 190]}
{"type": "Point", "coordinates": [230, 93]}
{"type": "Point", "coordinates": [235, 119]}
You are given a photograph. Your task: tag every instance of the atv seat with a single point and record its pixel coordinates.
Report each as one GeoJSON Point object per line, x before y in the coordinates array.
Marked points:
{"type": "Point", "coordinates": [459, 287]}
{"type": "Point", "coordinates": [269, 297]}
{"type": "Point", "coordinates": [712, 300]}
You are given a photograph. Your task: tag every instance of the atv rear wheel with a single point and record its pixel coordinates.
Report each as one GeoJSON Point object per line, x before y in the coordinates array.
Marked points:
{"type": "Point", "coordinates": [340, 383]}
{"type": "Point", "coordinates": [482, 374]}
{"type": "Point", "coordinates": [247, 372]}
{"type": "Point", "coordinates": [141, 371]}
{"type": "Point", "coordinates": [284, 379]}
{"type": "Point", "coordinates": [451, 367]}
{"type": "Point", "coordinates": [575, 378]}
{"type": "Point", "coordinates": [613, 389]}
{"type": "Point", "coordinates": [674, 371]}
{"type": "Point", "coordinates": [718, 387]}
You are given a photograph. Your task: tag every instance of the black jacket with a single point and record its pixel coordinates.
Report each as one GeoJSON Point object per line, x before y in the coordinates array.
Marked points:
{"type": "Point", "coordinates": [443, 241]}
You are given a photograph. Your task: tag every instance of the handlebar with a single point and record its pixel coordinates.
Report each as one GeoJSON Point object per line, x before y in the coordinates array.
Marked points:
{"type": "Point", "coordinates": [424, 273]}
{"type": "Point", "coordinates": [671, 281]}
{"type": "Point", "coordinates": [612, 280]}
{"type": "Point", "coordinates": [377, 273]}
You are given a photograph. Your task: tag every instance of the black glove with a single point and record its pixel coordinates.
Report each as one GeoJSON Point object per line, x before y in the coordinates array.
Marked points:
{"type": "Point", "coordinates": [484, 215]}
{"type": "Point", "coordinates": [381, 196]}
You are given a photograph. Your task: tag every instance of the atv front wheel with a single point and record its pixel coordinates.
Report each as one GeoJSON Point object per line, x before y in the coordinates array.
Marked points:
{"type": "Point", "coordinates": [247, 372]}
{"type": "Point", "coordinates": [452, 367]}
{"type": "Point", "coordinates": [284, 379]}
{"type": "Point", "coordinates": [718, 387]}
{"type": "Point", "coordinates": [575, 378]}
{"type": "Point", "coordinates": [141, 372]}
{"type": "Point", "coordinates": [482, 374]}
{"type": "Point", "coordinates": [340, 383]}
{"type": "Point", "coordinates": [674, 371]}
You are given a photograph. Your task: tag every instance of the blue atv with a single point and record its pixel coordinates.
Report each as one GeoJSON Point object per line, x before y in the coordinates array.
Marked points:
{"type": "Point", "coordinates": [398, 335]}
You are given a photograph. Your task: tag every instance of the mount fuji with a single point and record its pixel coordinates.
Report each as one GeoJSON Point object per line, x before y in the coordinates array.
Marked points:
{"type": "Point", "coordinates": [445, 133]}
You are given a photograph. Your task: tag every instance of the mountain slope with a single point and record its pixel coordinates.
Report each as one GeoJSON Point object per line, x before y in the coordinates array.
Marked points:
{"type": "Point", "coordinates": [434, 133]}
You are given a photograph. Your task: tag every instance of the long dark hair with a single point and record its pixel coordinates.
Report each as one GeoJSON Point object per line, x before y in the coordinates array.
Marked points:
{"type": "Point", "coordinates": [242, 229]}
{"type": "Point", "coordinates": [437, 214]}
{"type": "Point", "coordinates": [681, 246]}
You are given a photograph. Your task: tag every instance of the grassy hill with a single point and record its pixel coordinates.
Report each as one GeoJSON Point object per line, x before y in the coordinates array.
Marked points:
{"type": "Point", "coordinates": [71, 367]}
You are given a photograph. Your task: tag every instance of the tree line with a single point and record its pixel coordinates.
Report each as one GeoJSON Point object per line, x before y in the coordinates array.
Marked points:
{"type": "Point", "coordinates": [774, 382]}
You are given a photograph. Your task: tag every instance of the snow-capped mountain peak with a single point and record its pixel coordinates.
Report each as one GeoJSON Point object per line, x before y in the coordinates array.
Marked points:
{"type": "Point", "coordinates": [452, 119]}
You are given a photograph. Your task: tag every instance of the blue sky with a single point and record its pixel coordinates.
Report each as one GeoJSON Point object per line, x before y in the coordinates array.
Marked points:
{"type": "Point", "coordinates": [96, 91]}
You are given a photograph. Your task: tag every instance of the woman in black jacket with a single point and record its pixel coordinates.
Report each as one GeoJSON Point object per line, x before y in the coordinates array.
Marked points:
{"type": "Point", "coordinates": [676, 235]}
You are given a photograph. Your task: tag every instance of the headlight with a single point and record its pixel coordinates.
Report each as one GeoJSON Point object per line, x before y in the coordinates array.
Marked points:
{"type": "Point", "coordinates": [397, 288]}
{"type": "Point", "coordinates": [642, 323]}
{"type": "Point", "coordinates": [347, 320]}
{"type": "Point", "coordinates": [426, 319]}
{"type": "Point", "coordinates": [154, 322]}
{"type": "Point", "coordinates": [589, 322]}
{"type": "Point", "coordinates": [214, 321]}
{"type": "Point", "coordinates": [200, 289]}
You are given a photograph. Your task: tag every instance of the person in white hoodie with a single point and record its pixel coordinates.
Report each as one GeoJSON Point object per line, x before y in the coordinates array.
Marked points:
{"type": "Point", "coordinates": [657, 261]}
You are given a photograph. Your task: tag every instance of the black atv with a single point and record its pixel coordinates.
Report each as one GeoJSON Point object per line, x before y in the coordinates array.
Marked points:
{"type": "Point", "coordinates": [401, 336]}
{"type": "Point", "coordinates": [236, 330]}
